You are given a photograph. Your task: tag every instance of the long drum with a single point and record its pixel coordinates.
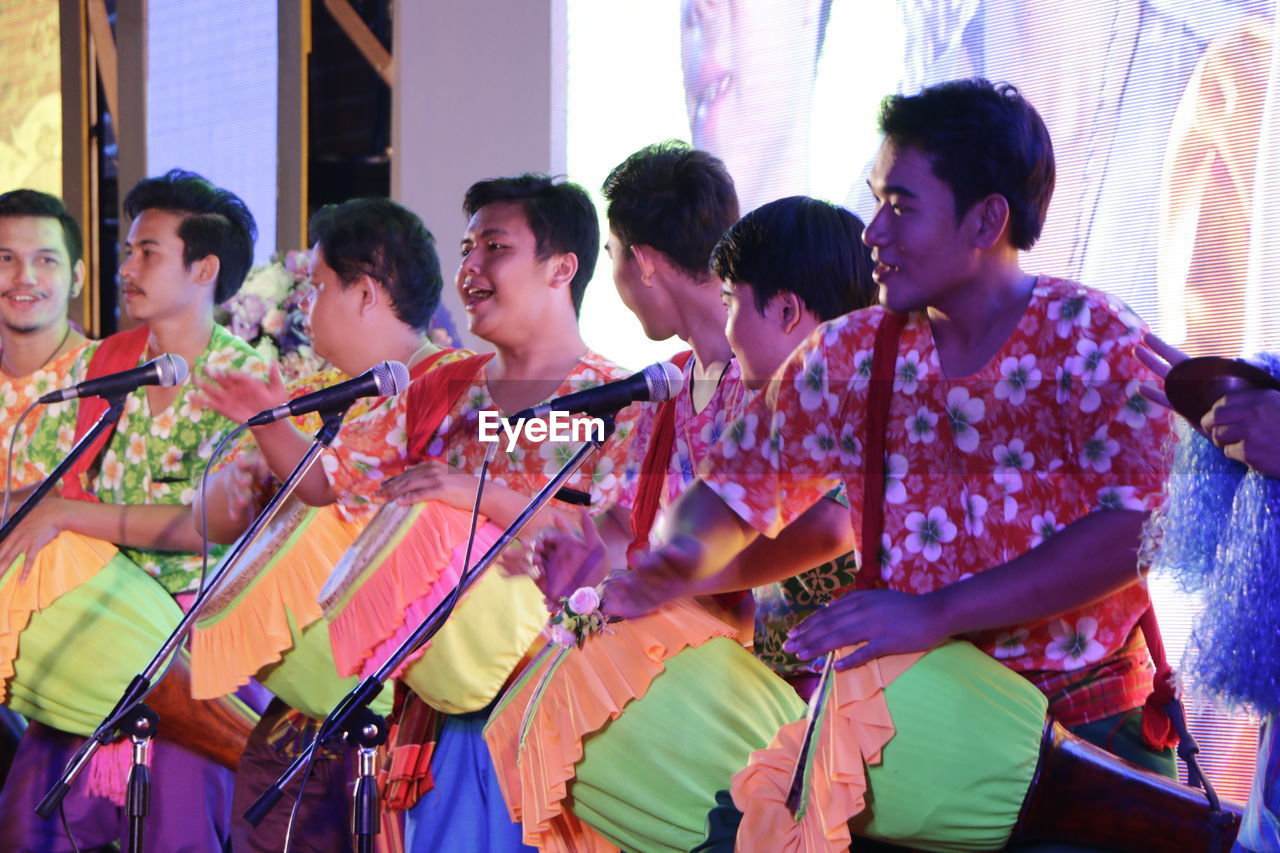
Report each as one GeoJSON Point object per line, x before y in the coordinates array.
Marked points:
{"type": "Point", "coordinates": [625, 741]}
{"type": "Point", "coordinates": [264, 620]}
{"type": "Point", "coordinates": [87, 621]}
{"type": "Point", "coordinates": [406, 561]}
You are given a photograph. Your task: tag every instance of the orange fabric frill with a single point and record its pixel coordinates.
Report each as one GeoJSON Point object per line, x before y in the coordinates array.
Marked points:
{"type": "Point", "coordinates": [591, 686]}
{"type": "Point", "coordinates": [855, 727]}
{"type": "Point", "coordinates": [420, 567]}
{"type": "Point", "coordinates": [60, 566]}
{"type": "Point", "coordinates": [254, 632]}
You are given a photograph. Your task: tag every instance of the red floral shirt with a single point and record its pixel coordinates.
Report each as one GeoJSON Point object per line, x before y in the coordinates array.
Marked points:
{"type": "Point", "coordinates": [978, 470]}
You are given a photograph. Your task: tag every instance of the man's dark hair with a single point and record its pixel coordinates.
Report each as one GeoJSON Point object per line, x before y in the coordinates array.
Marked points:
{"type": "Point", "coordinates": [385, 241]}
{"type": "Point", "coordinates": [36, 203]}
{"type": "Point", "coordinates": [799, 245]}
{"type": "Point", "coordinates": [560, 215]}
{"type": "Point", "coordinates": [675, 198]}
{"type": "Point", "coordinates": [981, 139]}
{"type": "Point", "coordinates": [214, 222]}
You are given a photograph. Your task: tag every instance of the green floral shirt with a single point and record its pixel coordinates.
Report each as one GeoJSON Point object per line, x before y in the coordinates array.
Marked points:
{"type": "Point", "coordinates": [153, 459]}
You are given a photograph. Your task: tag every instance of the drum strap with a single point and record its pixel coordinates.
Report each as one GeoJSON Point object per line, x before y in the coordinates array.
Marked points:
{"type": "Point", "coordinates": [653, 472]}
{"type": "Point", "coordinates": [879, 395]}
{"type": "Point", "coordinates": [118, 352]}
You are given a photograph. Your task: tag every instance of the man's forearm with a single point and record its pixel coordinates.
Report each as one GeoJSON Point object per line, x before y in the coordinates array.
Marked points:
{"type": "Point", "coordinates": [1087, 560]}
{"type": "Point", "coordinates": [151, 526]}
{"type": "Point", "coordinates": [700, 515]}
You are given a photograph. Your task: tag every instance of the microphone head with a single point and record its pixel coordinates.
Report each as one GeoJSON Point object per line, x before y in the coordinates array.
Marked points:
{"type": "Point", "coordinates": [391, 377]}
{"type": "Point", "coordinates": [665, 381]}
{"type": "Point", "coordinates": [170, 369]}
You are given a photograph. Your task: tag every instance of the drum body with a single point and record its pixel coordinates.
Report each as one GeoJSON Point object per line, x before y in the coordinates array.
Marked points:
{"type": "Point", "coordinates": [633, 733]}
{"type": "Point", "coordinates": [265, 620]}
{"type": "Point", "coordinates": [87, 620]}
{"type": "Point", "coordinates": [405, 562]}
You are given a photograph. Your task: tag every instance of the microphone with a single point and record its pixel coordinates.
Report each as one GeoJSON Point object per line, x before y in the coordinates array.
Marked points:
{"type": "Point", "coordinates": [655, 383]}
{"type": "Point", "coordinates": [382, 380]}
{"type": "Point", "coordinates": [168, 369]}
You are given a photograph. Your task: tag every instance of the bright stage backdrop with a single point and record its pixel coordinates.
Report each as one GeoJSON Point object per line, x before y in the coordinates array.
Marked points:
{"type": "Point", "coordinates": [30, 96]}
{"type": "Point", "coordinates": [1163, 115]}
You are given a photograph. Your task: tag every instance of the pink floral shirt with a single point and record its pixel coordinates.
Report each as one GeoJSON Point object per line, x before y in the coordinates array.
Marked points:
{"type": "Point", "coordinates": [978, 470]}
{"type": "Point", "coordinates": [363, 458]}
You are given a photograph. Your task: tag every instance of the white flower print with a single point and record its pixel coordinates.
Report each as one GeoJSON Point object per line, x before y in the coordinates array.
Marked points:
{"type": "Point", "coordinates": [1011, 644]}
{"type": "Point", "coordinates": [890, 556]}
{"type": "Point", "coordinates": [850, 447]}
{"type": "Point", "coordinates": [1091, 366]}
{"type": "Point", "coordinates": [1065, 313]}
{"type": "Point", "coordinates": [1119, 497]}
{"type": "Point", "coordinates": [1076, 646]}
{"type": "Point", "coordinates": [929, 532]}
{"type": "Point", "coordinates": [771, 450]}
{"type": "Point", "coordinates": [861, 370]}
{"type": "Point", "coordinates": [112, 470]}
{"type": "Point", "coordinates": [962, 413]}
{"type": "Point", "coordinates": [733, 495]}
{"type": "Point", "coordinates": [895, 471]}
{"type": "Point", "coordinates": [741, 435]}
{"type": "Point", "coordinates": [812, 381]}
{"type": "Point", "coordinates": [908, 372]}
{"type": "Point", "coordinates": [136, 451]}
{"type": "Point", "coordinates": [975, 508]}
{"type": "Point", "coordinates": [1043, 527]}
{"type": "Point", "coordinates": [1017, 377]}
{"type": "Point", "coordinates": [920, 426]}
{"type": "Point", "coordinates": [1011, 460]}
{"type": "Point", "coordinates": [1099, 450]}
{"type": "Point", "coordinates": [820, 443]}
{"type": "Point", "coordinates": [1137, 408]}
{"type": "Point", "coordinates": [171, 460]}
{"type": "Point", "coordinates": [162, 424]}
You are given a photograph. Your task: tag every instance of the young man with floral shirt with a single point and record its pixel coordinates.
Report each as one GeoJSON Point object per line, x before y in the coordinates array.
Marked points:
{"type": "Point", "coordinates": [189, 247]}
{"type": "Point", "coordinates": [1020, 459]}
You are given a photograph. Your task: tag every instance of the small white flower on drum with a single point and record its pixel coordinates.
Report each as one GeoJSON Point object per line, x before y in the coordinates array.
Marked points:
{"type": "Point", "coordinates": [584, 601]}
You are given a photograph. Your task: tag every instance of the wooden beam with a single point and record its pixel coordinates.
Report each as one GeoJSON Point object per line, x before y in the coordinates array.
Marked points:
{"type": "Point", "coordinates": [104, 44]}
{"type": "Point", "coordinates": [363, 38]}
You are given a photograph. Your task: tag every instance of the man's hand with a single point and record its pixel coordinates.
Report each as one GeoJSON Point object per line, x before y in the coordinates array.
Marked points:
{"type": "Point", "coordinates": [1246, 425]}
{"type": "Point", "coordinates": [1159, 356]}
{"type": "Point", "coordinates": [656, 577]}
{"type": "Point", "coordinates": [239, 396]}
{"type": "Point", "coordinates": [565, 560]}
{"type": "Point", "coordinates": [887, 622]}
{"type": "Point", "coordinates": [39, 528]}
{"type": "Point", "coordinates": [431, 481]}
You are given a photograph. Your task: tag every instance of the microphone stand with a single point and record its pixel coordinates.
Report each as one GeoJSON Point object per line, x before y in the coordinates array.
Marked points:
{"type": "Point", "coordinates": [351, 716]}
{"type": "Point", "coordinates": [115, 408]}
{"type": "Point", "coordinates": [130, 713]}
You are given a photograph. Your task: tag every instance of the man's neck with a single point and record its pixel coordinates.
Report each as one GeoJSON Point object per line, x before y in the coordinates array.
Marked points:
{"type": "Point", "coordinates": [392, 343]}
{"type": "Point", "coordinates": [184, 335]}
{"type": "Point", "coordinates": [971, 328]}
{"type": "Point", "coordinates": [701, 325]}
{"type": "Point", "coordinates": [23, 353]}
{"type": "Point", "coordinates": [530, 369]}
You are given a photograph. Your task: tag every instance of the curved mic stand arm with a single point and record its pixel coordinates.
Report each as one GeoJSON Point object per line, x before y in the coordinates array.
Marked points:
{"type": "Point", "coordinates": [108, 420]}
{"type": "Point", "coordinates": [141, 685]}
{"type": "Point", "coordinates": [341, 717]}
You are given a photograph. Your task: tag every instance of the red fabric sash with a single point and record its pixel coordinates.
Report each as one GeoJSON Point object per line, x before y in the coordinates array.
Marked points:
{"type": "Point", "coordinates": [429, 402]}
{"type": "Point", "coordinates": [653, 472]}
{"type": "Point", "coordinates": [118, 352]}
{"type": "Point", "coordinates": [879, 394]}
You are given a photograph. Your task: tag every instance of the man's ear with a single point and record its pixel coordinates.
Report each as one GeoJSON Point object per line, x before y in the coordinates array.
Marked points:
{"type": "Point", "coordinates": [564, 267]}
{"type": "Point", "coordinates": [369, 293]}
{"type": "Point", "coordinates": [205, 270]}
{"type": "Point", "coordinates": [647, 259]}
{"type": "Point", "coordinates": [787, 310]}
{"type": "Point", "coordinates": [988, 220]}
{"type": "Point", "coordinates": [77, 279]}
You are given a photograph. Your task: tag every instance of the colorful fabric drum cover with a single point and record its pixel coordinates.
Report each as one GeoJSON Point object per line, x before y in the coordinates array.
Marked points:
{"type": "Point", "coordinates": [265, 620]}
{"type": "Point", "coordinates": [73, 636]}
{"type": "Point", "coordinates": [405, 562]}
{"type": "Point", "coordinates": [624, 741]}
{"type": "Point", "coordinates": [933, 751]}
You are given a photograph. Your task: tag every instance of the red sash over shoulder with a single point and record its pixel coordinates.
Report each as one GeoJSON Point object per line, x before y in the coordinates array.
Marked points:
{"type": "Point", "coordinates": [657, 458]}
{"type": "Point", "coordinates": [118, 352]}
{"type": "Point", "coordinates": [429, 402]}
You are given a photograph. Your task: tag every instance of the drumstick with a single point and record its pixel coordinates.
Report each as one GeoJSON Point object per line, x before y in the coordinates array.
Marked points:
{"type": "Point", "coordinates": [817, 703]}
